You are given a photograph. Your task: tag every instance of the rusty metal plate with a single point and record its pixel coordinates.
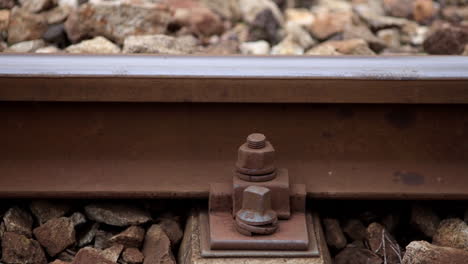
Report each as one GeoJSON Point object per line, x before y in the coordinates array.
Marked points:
{"type": "Point", "coordinates": [311, 250]}
{"type": "Point", "coordinates": [372, 151]}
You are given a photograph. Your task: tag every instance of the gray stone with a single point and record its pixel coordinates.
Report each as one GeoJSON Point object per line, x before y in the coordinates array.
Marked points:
{"type": "Point", "coordinates": [131, 237]}
{"type": "Point", "coordinates": [19, 221]}
{"type": "Point", "coordinates": [377, 21]}
{"type": "Point", "coordinates": [323, 50]}
{"type": "Point", "coordinates": [26, 46]}
{"type": "Point", "coordinates": [260, 47]}
{"type": "Point", "coordinates": [333, 233]}
{"type": "Point", "coordinates": [56, 34]}
{"type": "Point", "coordinates": [452, 232]}
{"type": "Point", "coordinates": [117, 214]}
{"type": "Point", "coordinates": [116, 20]}
{"type": "Point", "coordinates": [67, 255]}
{"type": "Point", "coordinates": [101, 239]}
{"type": "Point", "coordinates": [48, 49]}
{"type": "Point", "coordinates": [25, 26]}
{"type": "Point", "coordinates": [264, 27]}
{"type": "Point", "coordinates": [78, 219]}
{"type": "Point", "coordinates": [422, 252]}
{"type": "Point", "coordinates": [160, 44]}
{"type": "Point", "coordinates": [424, 219]}
{"type": "Point", "coordinates": [157, 247]}
{"type": "Point", "coordinates": [251, 9]}
{"type": "Point", "coordinates": [355, 229]}
{"type": "Point", "coordinates": [413, 33]}
{"type": "Point", "coordinates": [99, 45]}
{"type": "Point", "coordinates": [299, 35]}
{"type": "Point", "coordinates": [45, 210]}
{"type": "Point", "coordinates": [390, 36]}
{"type": "Point", "coordinates": [20, 249]}
{"type": "Point", "coordinates": [56, 235]}
{"type": "Point", "coordinates": [87, 234]}
{"type": "Point", "coordinates": [361, 31]}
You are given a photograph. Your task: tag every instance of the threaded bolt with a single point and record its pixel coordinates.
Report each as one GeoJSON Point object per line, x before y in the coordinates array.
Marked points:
{"type": "Point", "coordinates": [256, 141]}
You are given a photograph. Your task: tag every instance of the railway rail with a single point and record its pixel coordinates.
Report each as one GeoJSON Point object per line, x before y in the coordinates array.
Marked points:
{"type": "Point", "coordinates": [168, 126]}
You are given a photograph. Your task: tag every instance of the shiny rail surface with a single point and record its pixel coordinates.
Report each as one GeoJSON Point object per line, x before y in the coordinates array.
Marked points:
{"type": "Point", "coordinates": [162, 126]}
{"type": "Point", "coordinates": [142, 78]}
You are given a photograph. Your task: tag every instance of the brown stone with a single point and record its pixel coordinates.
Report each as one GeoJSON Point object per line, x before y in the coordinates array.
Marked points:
{"type": "Point", "coordinates": [90, 255]}
{"type": "Point", "coordinates": [45, 210]}
{"type": "Point", "coordinates": [58, 261]}
{"type": "Point", "coordinates": [447, 39]}
{"type": "Point", "coordinates": [351, 47]}
{"type": "Point", "coordinates": [361, 31]}
{"type": "Point", "coordinates": [7, 4]}
{"type": "Point", "coordinates": [354, 255]}
{"type": "Point", "coordinates": [452, 232]}
{"type": "Point", "coordinates": [117, 214]}
{"type": "Point", "coordinates": [172, 229]}
{"type": "Point", "coordinates": [56, 235]}
{"type": "Point", "coordinates": [196, 17]}
{"type": "Point", "coordinates": [328, 23]}
{"type": "Point", "coordinates": [355, 229]}
{"type": "Point", "coordinates": [113, 253]}
{"type": "Point", "coordinates": [4, 21]}
{"type": "Point", "coordinates": [333, 233]}
{"type": "Point", "coordinates": [398, 8]}
{"type": "Point", "coordinates": [132, 256]}
{"type": "Point", "coordinates": [25, 26]}
{"type": "Point", "coordinates": [157, 247]}
{"type": "Point", "coordinates": [20, 249]}
{"type": "Point", "coordinates": [57, 14]}
{"type": "Point", "coordinates": [424, 219]}
{"type": "Point", "coordinates": [116, 20]}
{"type": "Point", "coordinates": [131, 237]}
{"type": "Point", "coordinates": [376, 236]}
{"type": "Point", "coordinates": [19, 221]}
{"type": "Point", "coordinates": [423, 10]}
{"type": "Point", "coordinates": [422, 252]}
{"type": "Point", "coordinates": [35, 6]}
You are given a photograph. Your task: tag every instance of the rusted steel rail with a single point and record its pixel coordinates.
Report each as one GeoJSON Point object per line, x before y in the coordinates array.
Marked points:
{"type": "Point", "coordinates": [149, 126]}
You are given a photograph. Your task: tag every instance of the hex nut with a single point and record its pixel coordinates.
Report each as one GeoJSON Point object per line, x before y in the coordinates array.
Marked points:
{"type": "Point", "coordinates": [256, 161]}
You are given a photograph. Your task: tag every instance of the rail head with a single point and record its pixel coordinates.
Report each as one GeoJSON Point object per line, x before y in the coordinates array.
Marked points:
{"type": "Point", "coordinates": [263, 67]}
{"type": "Point", "coordinates": [239, 79]}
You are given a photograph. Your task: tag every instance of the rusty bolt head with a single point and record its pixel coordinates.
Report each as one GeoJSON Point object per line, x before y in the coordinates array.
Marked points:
{"type": "Point", "coordinates": [256, 207]}
{"type": "Point", "coordinates": [256, 156]}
